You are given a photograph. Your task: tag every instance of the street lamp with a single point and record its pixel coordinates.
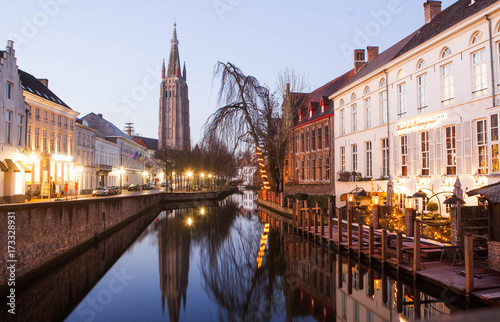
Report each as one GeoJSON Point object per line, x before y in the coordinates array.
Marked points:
{"type": "Point", "coordinates": [189, 175]}
{"type": "Point", "coordinates": [202, 180]}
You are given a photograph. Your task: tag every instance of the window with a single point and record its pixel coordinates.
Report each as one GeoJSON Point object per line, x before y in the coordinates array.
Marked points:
{"type": "Point", "coordinates": [422, 93]}
{"type": "Point", "coordinates": [37, 114]}
{"type": "Point", "coordinates": [302, 143]}
{"type": "Point", "coordinates": [420, 64]}
{"type": "Point", "coordinates": [482, 147]}
{"type": "Point", "coordinates": [20, 130]}
{"type": "Point", "coordinates": [342, 158]}
{"type": "Point", "coordinates": [401, 73]}
{"type": "Point", "coordinates": [404, 155]}
{"type": "Point", "coordinates": [303, 172]}
{"type": "Point", "coordinates": [71, 124]}
{"type": "Point", "coordinates": [354, 115]}
{"type": "Point", "coordinates": [45, 117]}
{"type": "Point", "coordinates": [52, 118]}
{"type": "Point", "coordinates": [368, 113]}
{"type": "Point", "coordinates": [308, 170]}
{"type": "Point", "coordinates": [383, 107]}
{"type": "Point", "coordinates": [354, 150]}
{"type": "Point", "coordinates": [382, 83]}
{"type": "Point", "coordinates": [451, 151]}
{"type": "Point", "coordinates": [52, 142]}
{"type": "Point", "coordinates": [65, 146]}
{"type": "Point", "coordinates": [424, 150]}
{"type": "Point", "coordinates": [353, 97]}
{"type": "Point", "coordinates": [476, 37]}
{"type": "Point", "coordinates": [28, 143]}
{"type": "Point", "coordinates": [356, 311]}
{"type": "Point", "coordinates": [59, 142]}
{"type": "Point", "coordinates": [495, 158]}
{"type": "Point", "coordinates": [297, 147]}
{"type": "Point", "coordinates": [342, 102]}
{"type": "Point", "coordinates": [65, 122]}
{"type": "Point", "coordinates": [44, 140]}
{"type": "Point", "coordinates": [367, 90]}
{"type": "Point", "coordinates": [342, 122]}
{"type": "Point", "coordinates": [385, 157]}
{"type": "Point", "coordinates": [313, 166]}
{"type": "Point", "coordinates": [479, 73]}
{"type": "Point", "coordinates": [320, 139]}
{"type": "Point", "coordinates": [307, 141]}
{"type": "Point", "coordinates": [320, 169]}
{"type": "Point", "coordinates": [445, 52]}
{"type": "Point", "coordinates": [369, 316]}
{"type": "Point", "coordinates": [402, 100]}
{"type": "Point", "coordinates": [368, 157]}
{"type": "Point", "coordinates": [9, 90]}
{"type": "Point", "coordinates": [447, 84]}
{"type": "Point", "coordinates": [37, 138]}
{"type": "Point", "coordinates": [71, 144]}
{"type": "Point", "coordinates": [327, 138]}
{"type": "Point", "coordinates": [313, 140]}
{"type": "Point", "coordinates": [327, 168]}
{"type": "Point", "coordinates": [8, 137]}
{"type": "Point", "coordinates": [59, 120]}
{"type": "Point", "coordinates": [344, 306]}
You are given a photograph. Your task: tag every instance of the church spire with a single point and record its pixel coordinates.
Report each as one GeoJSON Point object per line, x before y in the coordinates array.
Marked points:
{"type": "Point", "coordinates": [184, 72]}
{"type": "Point", "coordinates": [174, 63]}
{"type": "Point", "coordinates": [163, 69]}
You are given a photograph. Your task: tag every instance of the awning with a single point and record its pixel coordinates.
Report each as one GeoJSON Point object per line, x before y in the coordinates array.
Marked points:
{"type": "Point", "coordinates": [490, 192]}
{"type": "Point", "coordinates": [11, 165]}
{"type": "Point", "coordinates": [23, 166]}
{"type": "Point", "coordinates": [3, 167]}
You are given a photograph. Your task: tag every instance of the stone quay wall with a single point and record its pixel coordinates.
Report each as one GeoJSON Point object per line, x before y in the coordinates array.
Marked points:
{"type": "Point", "coordinates": [47, 232]}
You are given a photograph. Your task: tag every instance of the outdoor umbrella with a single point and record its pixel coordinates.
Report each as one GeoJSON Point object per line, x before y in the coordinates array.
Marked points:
{"type": "Point", "coordinates": [390, 194]}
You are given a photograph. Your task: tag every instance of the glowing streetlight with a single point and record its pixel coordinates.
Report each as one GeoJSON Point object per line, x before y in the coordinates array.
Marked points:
{"type": "Point", "coordinates": [190, 221]}
{"type": "Point", "coordinates": [202, 211]}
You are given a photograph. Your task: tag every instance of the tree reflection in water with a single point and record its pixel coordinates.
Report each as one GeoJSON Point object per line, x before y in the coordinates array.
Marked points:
{"type": "Point", "coordinates": [232, 278]}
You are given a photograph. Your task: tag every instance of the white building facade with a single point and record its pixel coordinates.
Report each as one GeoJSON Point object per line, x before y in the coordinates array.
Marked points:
{"type": "Point", "coordinates": [107, 161]}
{"type": "Point", "coordinates": [85, 160]}
{"type": "Point", "coordinates": [425, 112]}
{"type": "Point", "coordinates": [12, 130]}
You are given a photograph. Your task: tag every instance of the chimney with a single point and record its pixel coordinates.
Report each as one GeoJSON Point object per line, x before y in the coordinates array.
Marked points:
{"type": "Point", "coordinates": [44, 81]}
{"type": "Point", "coordinates": [372, 53]}
{"type": "Point", "coordinates": [432, 9]}
{"type": "Point", "coordinates": [100, 115]}
{"type": "Point", "coordinates": [359, 59]}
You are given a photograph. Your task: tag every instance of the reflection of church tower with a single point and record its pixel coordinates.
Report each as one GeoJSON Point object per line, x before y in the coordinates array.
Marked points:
{"type": "Point", "coordinates": [174, 241]}
{"type": "Point", "coordinates": [173, 130]}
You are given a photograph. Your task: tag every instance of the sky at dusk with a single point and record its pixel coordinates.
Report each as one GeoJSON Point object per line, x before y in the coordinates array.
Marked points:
{"type": "Point", "coordinates": [105, 56]}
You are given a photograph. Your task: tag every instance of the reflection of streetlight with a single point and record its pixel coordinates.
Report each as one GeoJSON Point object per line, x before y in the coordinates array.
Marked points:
{"type": "Point", "coordinates": [202, 211]}
{"type": "Point", "coordinates": [190, 221]}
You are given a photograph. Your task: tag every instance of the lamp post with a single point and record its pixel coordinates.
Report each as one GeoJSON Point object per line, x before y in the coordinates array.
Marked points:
{"type": "Point", "coordinates": [376, 210]}
{"type": "Point", "coordinates": [189, 175]}
{"type": "Point", "coordinates": [202, 180]}
{"type": "Point", "coordinates": [410, 214]}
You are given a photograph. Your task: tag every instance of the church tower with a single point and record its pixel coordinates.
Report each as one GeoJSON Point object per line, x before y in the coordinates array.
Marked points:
{"type": "Point", "coordinates": [174, 130]}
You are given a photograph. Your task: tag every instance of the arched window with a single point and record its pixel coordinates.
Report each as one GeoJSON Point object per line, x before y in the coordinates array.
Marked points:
{"type": "Point", "coordinates": [342, 102]}
{"type": "Point", "coordinates": [476, 37]}
{"type": "Point", "coordinates": [367, 90]}
{"type": "Point", "coordinates": [353, 97]}
{"type": "Point", "coordinates": [401, 73]}
{"type": "Point", "coordinates": [420, 64]}
{"type": "Point", "coordinates": [445, 52]}
{"type": "Point", "coordinates": [383, 83]}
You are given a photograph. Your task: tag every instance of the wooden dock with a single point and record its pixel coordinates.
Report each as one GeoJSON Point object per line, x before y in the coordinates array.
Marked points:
{"type": "Point", "coordinates": [442, 265]}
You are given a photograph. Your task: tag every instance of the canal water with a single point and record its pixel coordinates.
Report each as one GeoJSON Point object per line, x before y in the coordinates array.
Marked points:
{"type": "Point", "coordinates": [223, 261]}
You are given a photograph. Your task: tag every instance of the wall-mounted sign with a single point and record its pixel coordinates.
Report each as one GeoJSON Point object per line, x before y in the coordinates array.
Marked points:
{"type": "Point", "coordinates": [420, 124]}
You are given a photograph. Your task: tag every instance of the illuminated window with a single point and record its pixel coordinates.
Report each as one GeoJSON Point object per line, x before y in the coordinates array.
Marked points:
{"type": "Point", "coordinates": [451, 151]}
{"type": "Point", "coordinates": [342, 158]}
{"type": "Point", "coordinates": [37, 138]}
{"type": "Point", "coordinates": [354, 150]}
{"type": "Point", "coordinates": [404, 155]}
{"type": "Point", "coordinates": [495, 158]}
{"type": "Point", "coordinates": [52, 142]}
{"type": "Point", "coordinates": [368, 158]}
{"type": "Point", "coordinates": [28, 142]}
{"type": "Point", "coordinates": [385, 157]}
{"type": "Point", "coordinates": [482, 146]}
{"type": "Point", "coordinates": [44, 140]}
{"type": "Point", "coordinates": [424, 150]}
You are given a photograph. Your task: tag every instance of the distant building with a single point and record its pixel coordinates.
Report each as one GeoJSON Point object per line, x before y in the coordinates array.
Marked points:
{"type": "Point", "coordinates": [174, 130]}
{"type": "Point", "coordinates": [50, 138]}
{"type": "Point", "coordinates": [84, 160]}
{"type": "Point", "coordinates": [150, 167]}
{"type": "Point", "coordinates": [131, 165]}
{"type": "Point", "coordinates": [12, 130]}
{"type": "Point", "coordinates": [107, 163]}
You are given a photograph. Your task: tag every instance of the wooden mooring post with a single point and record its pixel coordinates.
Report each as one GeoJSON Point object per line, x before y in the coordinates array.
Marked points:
{"type": "Point", "coordinates": [469, 263]}
{"type": "Point", "coordinates": [399, 248]}
{"type": "Point", "coordinates": [330, 227]}
{"type": "Point", "coordinates": [371, 241]}
{"type": "Point", "coordinates": [416, 247]}
{"type": "Point", "coordinates": [384, 245]}
{"type": "Point", "coordinates": [339, 226]}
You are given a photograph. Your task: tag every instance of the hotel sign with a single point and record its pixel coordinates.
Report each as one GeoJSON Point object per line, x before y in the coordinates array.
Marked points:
{"type": "Point", "coordinates": [420, 124]}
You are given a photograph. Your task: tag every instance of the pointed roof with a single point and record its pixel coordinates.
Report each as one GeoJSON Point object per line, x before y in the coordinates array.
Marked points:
{"type": "Point", "coordinates": [31, 84]}
{"type": "Point", "coordinates": [174, 63]}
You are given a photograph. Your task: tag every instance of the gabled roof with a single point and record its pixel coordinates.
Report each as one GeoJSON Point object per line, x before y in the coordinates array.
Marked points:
{"type": "Point", "coordinates": [314, 98]}
{"type": "Point", "coordinates": [490, 192]}
{"type": "Point", "coordinates": [448, 18]}
{"type": "Point", "coordinates": [148, 143]}
{"type": "Point", "coordinates": [30, 84]}
{"type": "Point", "coordinates": [104, 127]}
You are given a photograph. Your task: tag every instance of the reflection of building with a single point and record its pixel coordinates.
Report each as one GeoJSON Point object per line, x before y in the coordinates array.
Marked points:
{"type": "Point", "coordinates": [174, 242]}
{"type": "Point", "coordinates": [174, 130]}
{"type": "Point", "coordinates": [12, 129]}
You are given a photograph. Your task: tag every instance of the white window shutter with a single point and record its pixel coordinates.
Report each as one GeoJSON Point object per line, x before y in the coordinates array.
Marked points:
{"type": "Point", "coordinates": [432, 154]}
{"type": "Point", "coordinates": [409, 153]}
{"type": "Point", "coordinates": [439, 152]}
{"type": "Point", "coordinates": [395, 170]}
{"type": "Point", "coordinates": [415, 167]}
{"type": "Point", "coordinates": [460, 150]}
{"type": "Point", "coordinates": [468, 148]}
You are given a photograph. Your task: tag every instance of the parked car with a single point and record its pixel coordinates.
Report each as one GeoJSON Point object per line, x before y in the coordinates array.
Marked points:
{"type": "Point", "coordinates": [117, 189]}
{"type": "Point", "coordinates": [147, 186]}
{"type": "Point", "coordinates": [163, 184]}
{"type": "Point", "coordinates": [134, 187]}
{"type": "Point", "coordinates": [100, 191]}
{"type": "Point", "coordinates": [111, 191]}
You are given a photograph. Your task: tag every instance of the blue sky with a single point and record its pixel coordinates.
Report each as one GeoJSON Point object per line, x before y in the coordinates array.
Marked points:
{"type": "Point", "coordinates": [105, 56]}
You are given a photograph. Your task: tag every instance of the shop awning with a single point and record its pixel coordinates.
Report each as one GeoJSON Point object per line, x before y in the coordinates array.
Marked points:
{"type": "Point", "coordinates": [23, 166]}
{"type": "Point", "coordinates": [3, 167]}
{"type": "Point", "coordinates": [11, 165]}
